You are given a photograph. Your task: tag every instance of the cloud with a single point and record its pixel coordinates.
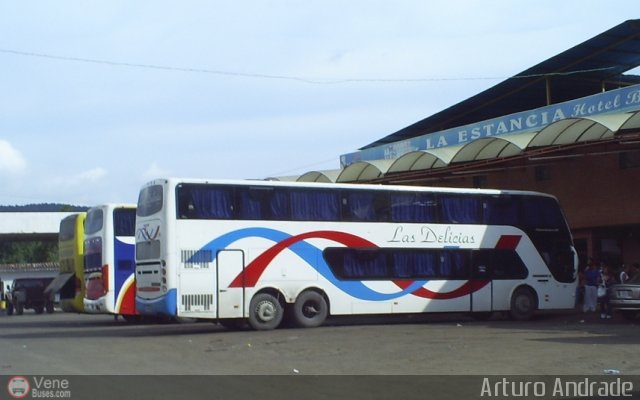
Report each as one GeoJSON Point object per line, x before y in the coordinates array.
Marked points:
{"type": "Point", "coordinates": [86, 177]}
{"type": "Point", "coordinates": [154, 171]}
{"type": "Point", "coordinates": [92, 175]}
{"type": "Point", "coordinates": [11, 160]}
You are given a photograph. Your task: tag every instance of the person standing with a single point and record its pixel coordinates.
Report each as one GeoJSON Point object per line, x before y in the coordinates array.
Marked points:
{"type": "Point", "coordinates": [628, 272]}
{"type": "Point", "coordinates": [591, 276]}
{"type": "Point", "coordinates": [605, 280]}
{"type": "Point", "coordinates": [624, 275]}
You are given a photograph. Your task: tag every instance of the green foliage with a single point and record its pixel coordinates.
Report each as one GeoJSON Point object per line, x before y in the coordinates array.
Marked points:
{"type": "Point", "coordinates": [43, 207]}
{"type": "Point", "coordinates": [28, 252]}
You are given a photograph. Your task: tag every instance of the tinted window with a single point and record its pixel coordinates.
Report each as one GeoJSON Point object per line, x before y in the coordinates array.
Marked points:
{"type": "Point", "coordinates": [415, 264]}
{"type": "Point", "coordinates": [413, 207]}
{"type": "Point", "coordinates": [542, 212]}
{"type": "Point", "coordinates": [94, 221]}
{"type": "Point", "coordinates": [150, 200]}
{"type": "Point", "coordinates": [498, 264]}
{"type": "Point", "coordinates": [314, 205]}
{"type": "Point", "coordinates": [204, 202]}
{"type": "Point", "coordinates": [365, 206]}
{"type": "Point", "coordinates": [264, 203]}
{"type": "Point", "coordinates": [393, 263]}
{"type": "Point", "coordinates": [454, 264]}
{"type": "Point", "coordinates": [458, 209]}
{"type": "Point", "coordinates": [93, 254]}
{"type": "Point", "coordinates": [124, 221]}
{"type": "Point", "coordinates": [502, 210]}
{"type": "Point", "coordinates": [68, 227]}
{"type": "Point", "coordinates": [543, 221]}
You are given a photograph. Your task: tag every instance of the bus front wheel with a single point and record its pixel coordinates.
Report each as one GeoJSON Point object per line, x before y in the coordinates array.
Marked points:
{"type": "Point", "coordinates": [523, 304]}
{"type": "Point", "coordinates": [310, 309]}
{"type": "Point", "coordinates": [265, 312]}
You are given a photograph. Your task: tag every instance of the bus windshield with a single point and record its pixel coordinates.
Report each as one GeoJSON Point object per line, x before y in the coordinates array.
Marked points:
{"type": "Point", "coordinates": [94, 221]}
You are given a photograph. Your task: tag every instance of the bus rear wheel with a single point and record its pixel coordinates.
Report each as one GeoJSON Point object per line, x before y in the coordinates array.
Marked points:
{"type": "Point", "coordinates": [265, 312]}
{"type": "Point", "coordinates": [523, 304]}
{"type": "Point", "coordinates": [310, 309]}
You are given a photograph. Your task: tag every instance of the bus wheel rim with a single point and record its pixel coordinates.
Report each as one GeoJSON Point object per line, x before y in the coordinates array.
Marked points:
{"type": "Point", "coordinates": [266, 311]}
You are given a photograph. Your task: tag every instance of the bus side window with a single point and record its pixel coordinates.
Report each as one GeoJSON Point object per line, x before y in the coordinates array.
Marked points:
{"type": "Point", "coordinates": [249, 206]}
{"type": "Point", "coordinates": [454, 264]}
{"type": "Point", "coordinates": [501, 210]}
{"type": "Point", "coordinates": [203, 202]}
{"type": "Point", "coordinates": [542, 212]}
{"type": "Point", "coordinates": [365, 206]}
{"type": "Point", "coordinates": [414, 264]}
{"type": "Point", "coordinates": [499, 264]}
{"type": "Point", "coordinates": [266, 203]}
{"type": "Point", "coordinates": [460, 209]}
{"type": "Point", "coordinates": [413, 207]}
{"type": "Point", "coordinates": [314, 205]}
{"type": "Point", "coordinates": [185, 204]}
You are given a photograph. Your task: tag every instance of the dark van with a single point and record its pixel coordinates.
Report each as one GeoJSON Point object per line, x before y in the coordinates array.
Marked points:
{"type": "Point", "coordinates": [28, 293]}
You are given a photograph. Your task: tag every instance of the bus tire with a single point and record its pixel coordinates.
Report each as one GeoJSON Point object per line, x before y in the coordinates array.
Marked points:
{"type": "Point", "coordinates": [19, 309]}
{"type": "Point", "coordinates": [49, 307]}
{"type": "Point", "coordinates": [523, 304]}
{"type": "Point", "coordinates": [265, 312]}
{"type": "Point", "coordinates": [310, 309]}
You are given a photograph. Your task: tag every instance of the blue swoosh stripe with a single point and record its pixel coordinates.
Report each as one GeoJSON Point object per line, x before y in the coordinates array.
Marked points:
{"type": "Point", "coordinates": [313, 256]}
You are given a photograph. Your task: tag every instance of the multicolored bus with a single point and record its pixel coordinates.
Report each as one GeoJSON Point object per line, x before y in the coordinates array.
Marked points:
{"type": "Point", "coordinates": [70, 282]}
{"type": "Point", "coordinates": [109, 260]}
{"type": "Point", "coordinates": [255, 251]}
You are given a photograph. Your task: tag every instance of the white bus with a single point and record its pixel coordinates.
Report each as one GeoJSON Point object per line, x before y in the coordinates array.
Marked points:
{"type": "Point", "coordinates": [109, 260]}
{"type": "Point", "coordinates": [257, 250]}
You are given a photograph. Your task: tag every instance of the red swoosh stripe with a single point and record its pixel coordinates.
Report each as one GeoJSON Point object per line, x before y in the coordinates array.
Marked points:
{"type": "Point", "coordinates": [255, 269]}
{"type": "Point", "coordinates": [468, 288]}
{"type": "Point", "coordinates": [508, 242]}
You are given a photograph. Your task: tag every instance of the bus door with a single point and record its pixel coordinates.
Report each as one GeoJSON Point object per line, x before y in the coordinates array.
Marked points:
{"type": "Point", "coordinates": [481, 282]}
{"type": "Point", "coordinates": [197, 277]}
{"type": "Point", "coordinates": [230, 264]}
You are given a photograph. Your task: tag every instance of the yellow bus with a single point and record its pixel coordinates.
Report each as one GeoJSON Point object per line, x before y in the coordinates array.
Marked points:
{"type": "Point", "coordinates": [70, 282]}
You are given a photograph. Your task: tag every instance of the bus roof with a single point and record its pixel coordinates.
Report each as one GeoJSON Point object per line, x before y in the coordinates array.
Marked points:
{"type": "Point", "coordinates": [239, 182]}
{"type": "Point", "coordinates": [111, 206]}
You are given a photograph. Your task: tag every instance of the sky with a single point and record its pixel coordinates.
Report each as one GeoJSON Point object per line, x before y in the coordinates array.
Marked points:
{"type": "Point", "coordinates": [99, 97]}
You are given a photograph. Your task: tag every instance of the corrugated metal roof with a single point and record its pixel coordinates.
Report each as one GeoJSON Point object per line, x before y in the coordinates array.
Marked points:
{"type": "Point", "coordinates": [564, 132]}
{"type": "Point", "coordinates": [578, 72]}
{"type": "Point", "coordinates": [30, 267]}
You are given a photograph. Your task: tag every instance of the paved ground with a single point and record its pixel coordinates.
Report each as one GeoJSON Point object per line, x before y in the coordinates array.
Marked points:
{"type": "Point", "coordinates": [554, 344]}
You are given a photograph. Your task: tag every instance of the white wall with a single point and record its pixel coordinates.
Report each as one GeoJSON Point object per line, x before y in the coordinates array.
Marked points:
{"type": "Point", "coordinates": [31, 222]}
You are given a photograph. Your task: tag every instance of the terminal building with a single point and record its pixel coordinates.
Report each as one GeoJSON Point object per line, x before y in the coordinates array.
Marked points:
{"type": "Point", "coordinates": [569, 126]}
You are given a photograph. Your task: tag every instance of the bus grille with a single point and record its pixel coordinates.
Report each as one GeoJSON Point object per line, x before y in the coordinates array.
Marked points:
{"type": "Point", "coordinates": [196, 258]}
{"type": "Point", "coordinates": [202, 302]}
